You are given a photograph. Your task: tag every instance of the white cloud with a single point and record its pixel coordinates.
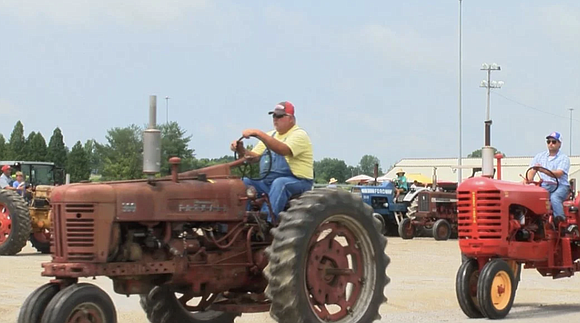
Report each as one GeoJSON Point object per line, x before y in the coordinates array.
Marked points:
{"type": "Point", "coordinates": [562, 24]}
{"type": "Point", "coordinates": [87, 12]}
{"type": "Point", "coordinates": [407, 48]}
{"type": "Point", "coordinates": [7, 109]}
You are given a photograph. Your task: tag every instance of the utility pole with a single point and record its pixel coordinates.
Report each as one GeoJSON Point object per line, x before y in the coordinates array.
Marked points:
{"type": "Point", "coordinates": [489, 84]}
{"type": "Point", "coordinates": [487, 152]}
{"type": "Point", "coordinates": [570, 139]}
{"type": "Point", "coordinates": [167, 110]}
{"type": "Point", "coordinates": [459, 162]}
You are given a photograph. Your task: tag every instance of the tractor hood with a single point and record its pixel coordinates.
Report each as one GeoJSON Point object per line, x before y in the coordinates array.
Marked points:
{"type": "Point", "coordinates": [531, 196]}
{"type": "Point", "coordinates": [213, 199]}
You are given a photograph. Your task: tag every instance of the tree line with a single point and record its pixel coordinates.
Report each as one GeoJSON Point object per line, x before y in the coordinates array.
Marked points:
{"type": "Point", "coordinates": [120, 157]}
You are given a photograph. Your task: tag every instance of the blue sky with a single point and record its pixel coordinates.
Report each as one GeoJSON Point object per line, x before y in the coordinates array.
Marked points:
{"type": "Point", "coordinates": [366, 77]}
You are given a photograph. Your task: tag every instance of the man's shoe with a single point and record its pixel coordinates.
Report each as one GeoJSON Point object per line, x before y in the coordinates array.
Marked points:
{"type": "Point", "coordinates": [557, 220]}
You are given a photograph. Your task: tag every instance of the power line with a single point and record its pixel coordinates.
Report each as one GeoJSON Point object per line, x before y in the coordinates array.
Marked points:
{"type": "Point", "coordinates": [533, 108]}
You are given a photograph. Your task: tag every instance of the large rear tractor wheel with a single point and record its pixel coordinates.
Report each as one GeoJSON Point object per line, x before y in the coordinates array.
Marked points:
{"type": "Point", "coordinates": [406, 229]}
{"type": "Point", "coordinates": [496, 289]}
{"type": "Point", "coordinates": [162, 306]}
{"type": "Point", "coordinates": [466, 288]}
{"type": "Point", "coordinates": [441, 230]}
{"type": "Point", "coordinates": [327, 262]}
{"type": "Point", "coordinates": [80, 303]}
{"type": "Point", "coordinates": [35, 304]}
{"type": "Point", "coordinates": [41, 241]}
{"type": "Point", "coordinates": [14, 223]}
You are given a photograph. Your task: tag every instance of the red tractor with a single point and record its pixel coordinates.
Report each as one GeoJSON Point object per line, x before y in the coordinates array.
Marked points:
{"type": "Point", "coordinates": [432, 213]}
{"type": "Point", "coordinates": [502, 226]}
{"type": "Point", "coordinates": [188, 245]}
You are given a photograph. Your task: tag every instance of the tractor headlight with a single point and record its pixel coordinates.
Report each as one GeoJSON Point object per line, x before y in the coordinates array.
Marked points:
{"type": "Point", "coordinates": [251, 192]}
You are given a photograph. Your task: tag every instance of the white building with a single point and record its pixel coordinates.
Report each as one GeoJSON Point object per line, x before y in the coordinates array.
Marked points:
{"type": "Point", "coordinates": [511, 167]}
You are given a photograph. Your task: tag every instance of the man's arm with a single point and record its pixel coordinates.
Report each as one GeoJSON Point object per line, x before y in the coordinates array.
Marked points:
{"type": "Point", "coordinates": [5, 185]}
{"type": "Point", "coordinates": [275, 145]}
{"type": "Point", "coordinates": [532, 172]}
{"type": "Point", "coordinates": [562, 168]}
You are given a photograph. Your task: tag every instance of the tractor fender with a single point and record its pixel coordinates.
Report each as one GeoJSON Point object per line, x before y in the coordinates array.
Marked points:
{"type": "Point", "coordinates": [410, 196]}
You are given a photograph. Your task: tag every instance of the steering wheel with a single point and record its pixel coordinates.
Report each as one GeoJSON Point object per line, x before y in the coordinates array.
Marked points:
{"type": "Point", "coordinates": [246, 167]}
{"type": "Point", "coordinates": [538, 183]}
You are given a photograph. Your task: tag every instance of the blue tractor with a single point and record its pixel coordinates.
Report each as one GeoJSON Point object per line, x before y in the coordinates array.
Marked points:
{"type": "Point", "coordinates": [382, 199]}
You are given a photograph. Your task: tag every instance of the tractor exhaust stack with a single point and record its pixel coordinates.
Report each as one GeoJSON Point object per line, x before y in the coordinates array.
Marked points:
{"type": "Point", "coordinates": [152, 142]}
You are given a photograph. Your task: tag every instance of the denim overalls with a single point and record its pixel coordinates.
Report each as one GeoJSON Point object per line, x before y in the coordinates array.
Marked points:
{"type": "Point", "coordinates": [279, 184]}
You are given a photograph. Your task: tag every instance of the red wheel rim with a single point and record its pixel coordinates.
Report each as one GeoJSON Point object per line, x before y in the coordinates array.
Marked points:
{"type": "Point", "coordinates": [442, 231]}
{"type": "Point", "coordinates": [42, 236]}
{"type": "Point", "coordinates": [334, 281]}
{"type": "Point", "coordinates": [409, 230]}
{"type": "Point", "coordinates": [5, 223]}
{"type": "Point", "coordinates": [86, 313]}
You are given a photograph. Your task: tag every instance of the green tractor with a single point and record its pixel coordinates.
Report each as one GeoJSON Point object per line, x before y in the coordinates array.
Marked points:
{"type": "Point", "coordinates": [27, 216]}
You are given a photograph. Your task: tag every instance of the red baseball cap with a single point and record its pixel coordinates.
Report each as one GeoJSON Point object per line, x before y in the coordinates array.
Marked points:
{"type": "Point", "coordinates": [5, 167]}
{"type": "Point", "coordinates": [283, 108]}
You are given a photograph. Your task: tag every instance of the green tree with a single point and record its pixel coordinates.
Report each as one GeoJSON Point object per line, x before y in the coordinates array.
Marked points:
{"type": "Point", "coordinates": [122, 155]}
{"type": "Point", "coordinates": [56, 151]}
{"type": "Point", "coordinates": [16, 146]}
{"type": "Point", "coordinates": [174, 143]}
{"type": "Point", "coordinates": [36, 149]}
{"type": "Point", "coordinates": [328, 168]}
{"type": "Point", "coordinates": [367, 165]}
{"type": "Point", "coordinates": [3, 148]}
{"type": "Point", "coordinates": [353, 171]}
{"type": "Point", "coordinates": [477, 153]}
{"type": "Point", "coordinates": [78, 164]}
{"type": "Point", "coordinates": [93, 155]}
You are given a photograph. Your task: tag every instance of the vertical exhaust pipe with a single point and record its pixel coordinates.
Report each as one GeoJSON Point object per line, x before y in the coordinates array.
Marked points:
{"type": "Point", "coordinates": [152, 142]}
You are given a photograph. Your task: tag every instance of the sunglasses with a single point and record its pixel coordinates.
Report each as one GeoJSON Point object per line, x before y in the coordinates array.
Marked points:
{"type": "Point", "coordinates": [551, 141]}
{"type": "Point", "coordinates": [278, 117]}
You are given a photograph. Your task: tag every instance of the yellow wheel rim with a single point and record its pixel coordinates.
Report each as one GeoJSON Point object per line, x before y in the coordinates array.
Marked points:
{"type": "Point", "coordinates": [501, 290]}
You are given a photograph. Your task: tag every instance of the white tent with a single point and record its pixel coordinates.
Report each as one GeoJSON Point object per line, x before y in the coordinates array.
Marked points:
{"type": "Point", "coordinates": [359, 178]}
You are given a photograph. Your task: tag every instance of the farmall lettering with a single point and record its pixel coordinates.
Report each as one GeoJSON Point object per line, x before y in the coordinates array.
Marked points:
{"type": "Point", "coordinates": [201, 206]}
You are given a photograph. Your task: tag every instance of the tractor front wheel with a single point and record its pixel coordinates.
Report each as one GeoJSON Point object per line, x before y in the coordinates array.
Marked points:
{"type": "Point", "coordinates": [80, 303]}
{"type": "Point", "coordinates": [496, 289]}
{"type": "Point", "coordinates": [327, 262]}
{"type": "Point", "coordinates": [41, 240]}
{"type": "Point", "coordinates": [466, 288]}
{"type": "Point", "coordinates": [35, 304]}
{"type": "Point", "coordinates": [441, 230]}
{"type": "Point", "coordinates": [14, 222]}
{"type": "Point", "coordinates": [406, 229]}
{"type": "Point", "coordinates": [162, 306]}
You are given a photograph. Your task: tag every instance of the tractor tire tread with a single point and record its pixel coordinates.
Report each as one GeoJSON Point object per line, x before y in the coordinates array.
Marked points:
{"type": "Point", "coordinates": [21, 226]}
{"type": "Point", "coordinates": [290, 236]}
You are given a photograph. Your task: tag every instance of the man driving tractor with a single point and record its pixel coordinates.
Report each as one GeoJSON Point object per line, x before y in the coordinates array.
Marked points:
{"type": "Point", "coordinates": [559, 164]}
{"type": "Point", "coordinates": [292, 163]}
{"type": "Point", "coordinates": [401, 183]}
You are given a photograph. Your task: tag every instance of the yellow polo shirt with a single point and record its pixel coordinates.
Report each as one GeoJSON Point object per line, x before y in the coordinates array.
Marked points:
{"type": "Point", "coordinates": [302, 161]}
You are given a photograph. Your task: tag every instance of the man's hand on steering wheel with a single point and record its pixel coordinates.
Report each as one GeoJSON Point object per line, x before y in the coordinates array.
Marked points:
{"type": "Point", "coordinates": [250, 157]}
{"type": "Point", "coordinates": [542, 170]}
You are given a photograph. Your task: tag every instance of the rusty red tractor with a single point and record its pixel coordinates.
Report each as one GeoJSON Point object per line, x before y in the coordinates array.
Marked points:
{"type": "Point", "coordinates": [433, 213]}
{"type": "Point", "coordinates": [193, 251]}
{"type": "Point", "coordinates": [502, 226]}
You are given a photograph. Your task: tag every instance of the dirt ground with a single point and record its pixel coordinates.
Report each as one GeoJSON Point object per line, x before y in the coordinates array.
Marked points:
{"type": "Point", "coordinates": [422, 288]}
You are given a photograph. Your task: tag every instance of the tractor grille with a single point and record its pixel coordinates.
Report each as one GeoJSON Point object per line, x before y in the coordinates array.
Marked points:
{"type": "Point", "coordinates": [423, 201]}
{"type": "Point", "coordinates": [74, 238]}
{"type": "Point", "coordinates": [479, 214]}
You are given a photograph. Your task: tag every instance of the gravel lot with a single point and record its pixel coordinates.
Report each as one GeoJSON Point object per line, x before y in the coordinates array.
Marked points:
{"type": "Point", "coordinates": [422, 288]}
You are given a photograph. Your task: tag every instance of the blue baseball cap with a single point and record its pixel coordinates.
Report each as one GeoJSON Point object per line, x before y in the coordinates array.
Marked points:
{"type": "Point", "coordinates": [555, 135]}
